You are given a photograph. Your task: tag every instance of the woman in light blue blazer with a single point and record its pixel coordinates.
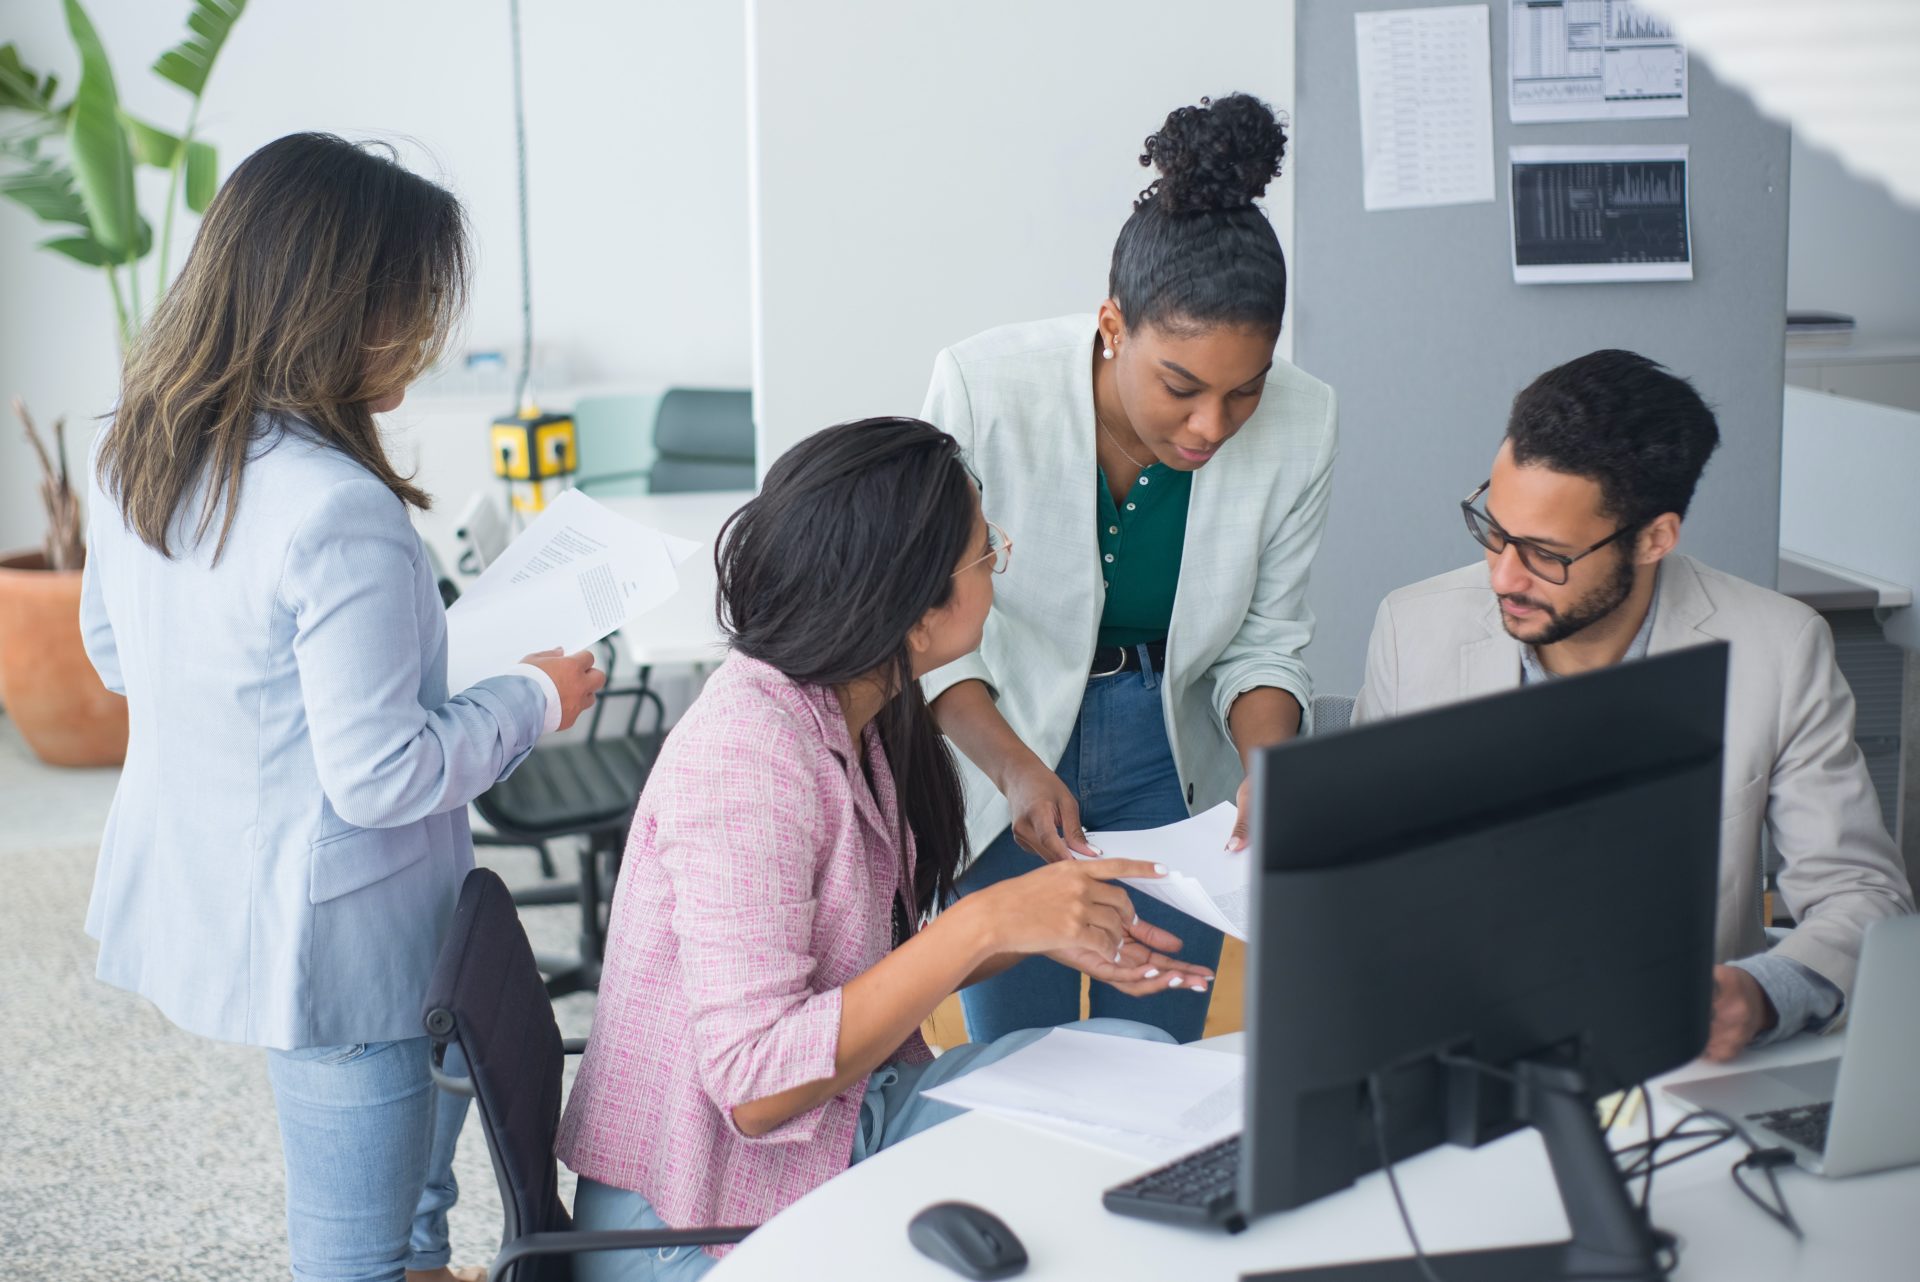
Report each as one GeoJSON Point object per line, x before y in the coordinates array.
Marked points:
{"type": "Point", "coordinates": [290, 828]}
{"type": "Point", "coordinates": [1166, 478]}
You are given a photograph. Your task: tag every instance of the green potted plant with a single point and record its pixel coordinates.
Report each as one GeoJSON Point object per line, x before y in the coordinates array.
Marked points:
{"type": "Point", "coordinates": [71, 164]}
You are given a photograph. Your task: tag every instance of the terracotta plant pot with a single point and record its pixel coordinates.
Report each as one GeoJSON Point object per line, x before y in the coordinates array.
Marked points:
{"type": "Point", "coordinates": [49, 687]}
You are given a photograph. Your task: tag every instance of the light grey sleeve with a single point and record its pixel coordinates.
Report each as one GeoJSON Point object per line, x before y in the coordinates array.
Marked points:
{"type": "Point", "coordinates": [1801, 997]}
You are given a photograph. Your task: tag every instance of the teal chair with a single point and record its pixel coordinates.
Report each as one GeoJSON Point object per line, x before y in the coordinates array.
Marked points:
{"type": "Point", "coordinates": [614, 436]}
{"type": "Point", "coordinates": [690, 439]}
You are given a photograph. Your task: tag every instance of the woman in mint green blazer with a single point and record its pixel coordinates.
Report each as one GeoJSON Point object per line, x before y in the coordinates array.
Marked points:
{"type": "Point", "coordinates": [1166, 479]}
{"type": "Point", "coordinates": [290, 829]}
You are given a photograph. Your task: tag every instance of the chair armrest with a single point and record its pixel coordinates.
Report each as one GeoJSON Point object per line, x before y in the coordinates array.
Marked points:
{"type": "Point", "coordinates": [573, 1045]}
{"type": "Point", "coordinates": [608, 1240]}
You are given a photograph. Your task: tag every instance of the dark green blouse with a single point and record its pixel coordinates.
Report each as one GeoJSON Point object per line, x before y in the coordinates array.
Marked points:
{"type": "Point", "coordinates": [1140, 545]}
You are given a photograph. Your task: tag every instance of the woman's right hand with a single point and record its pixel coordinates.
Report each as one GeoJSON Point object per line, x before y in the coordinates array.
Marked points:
{"type": "Point", "coordinates": [574, 676]}
{"type": "Point", "coordinates": [1067, 905]}
{"type": "Point", "coordinates": [1046, 817]}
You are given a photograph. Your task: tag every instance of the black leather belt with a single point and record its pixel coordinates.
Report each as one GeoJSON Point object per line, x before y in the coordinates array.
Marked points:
{"type": "Point", "coordinates": [1112, 660]}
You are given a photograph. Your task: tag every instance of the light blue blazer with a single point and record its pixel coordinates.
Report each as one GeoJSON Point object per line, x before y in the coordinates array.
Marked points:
{"type": "Point", "coordinates": [290, 830]}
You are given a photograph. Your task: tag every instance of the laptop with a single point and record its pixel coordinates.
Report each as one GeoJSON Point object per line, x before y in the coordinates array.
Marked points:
{"type": "Point", "coordinates": [1854, 1112]}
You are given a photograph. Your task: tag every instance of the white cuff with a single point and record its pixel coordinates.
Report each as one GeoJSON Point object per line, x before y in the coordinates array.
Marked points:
{"type": "Point", "coordinates": [551, 721]}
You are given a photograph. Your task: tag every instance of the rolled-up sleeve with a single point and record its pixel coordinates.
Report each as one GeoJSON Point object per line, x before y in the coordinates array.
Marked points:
{"type": "Point", "coordinates": [949, 407]}
{"type": "Point", "coordinates": [741, 853]}
{"type": "Point", "coordinates": [1266, 650]}
{"type": "Point", "coordinates": [383, 760]}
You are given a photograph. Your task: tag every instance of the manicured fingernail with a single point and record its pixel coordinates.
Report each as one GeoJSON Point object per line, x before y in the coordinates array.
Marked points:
{"type": "Point", "coordinates": [1095, 849]}
{"type": "Point", "coordinates": [1152, 971]}
{"type": "Point", "coordinates": [1160, 870]}
{"type": "Point", "coordinates": [1175, 982]}
{"type": "Point", "coordinates": [1198, 988]}
{"type": "Point", "coordinates": [1136, 919]}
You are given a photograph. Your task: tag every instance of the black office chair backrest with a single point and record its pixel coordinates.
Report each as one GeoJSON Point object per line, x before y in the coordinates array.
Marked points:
{"type": "Point", "coordinates": [702, 440]}
{"type": "Point", "coordinates": [487, 996]}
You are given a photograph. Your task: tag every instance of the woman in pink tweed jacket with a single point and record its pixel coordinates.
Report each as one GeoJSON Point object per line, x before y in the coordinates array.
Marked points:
{"type": "Point", "coordinates": [771, 956]}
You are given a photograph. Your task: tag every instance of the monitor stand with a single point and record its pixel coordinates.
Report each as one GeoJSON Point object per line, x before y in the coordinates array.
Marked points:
{"type": "Point", "coordinates": [1611, 1237]}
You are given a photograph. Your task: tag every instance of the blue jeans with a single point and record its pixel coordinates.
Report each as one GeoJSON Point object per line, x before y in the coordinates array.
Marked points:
{"type": "Point", "coordinates": [1119, 766]}
{"type": "Point", "coordinates": [368, 1143]}
{"type": "Point", "coordinates": [892, 1110]}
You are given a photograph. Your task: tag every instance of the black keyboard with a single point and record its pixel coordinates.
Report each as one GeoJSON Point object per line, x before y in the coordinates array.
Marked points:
{"type": "Point", "coordinates": [1805, 1126]}
{"type": "Point", "coordinates": [1200, 1188]}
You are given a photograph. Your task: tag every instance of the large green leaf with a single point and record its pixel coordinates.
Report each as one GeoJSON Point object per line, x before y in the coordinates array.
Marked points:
{"type": "Point", "coordinates": [189, 63]}
{"type": "Point", "coordinates": [81, 249]}
{"type": "Point", "coordinates": [203, 176]}
{"type": "Point", "coordinates": [46, 189]}
{"type": "Point", "coordinates": [20, 89]}
{"type": "Point", "coordinates": [97, 144]}
{"type": "Point", "coordinates": [151, 145]}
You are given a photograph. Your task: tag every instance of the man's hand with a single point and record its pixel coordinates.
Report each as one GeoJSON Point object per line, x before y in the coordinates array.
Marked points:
{"type": "Point", "coordinates": [1741, 1012]}
{"type": "Point", "coordinates": [1242, 815]}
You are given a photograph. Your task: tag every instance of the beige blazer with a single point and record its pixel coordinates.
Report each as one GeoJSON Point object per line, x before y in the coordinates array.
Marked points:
{"type": "Point", "coordinates": [1792, 767]}
{"type": "Point", "coordinates": [1020, 401]}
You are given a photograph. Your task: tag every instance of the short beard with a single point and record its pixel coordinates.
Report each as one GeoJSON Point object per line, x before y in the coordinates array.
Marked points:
{"type": "Point", "coordinates": [1583, 614]}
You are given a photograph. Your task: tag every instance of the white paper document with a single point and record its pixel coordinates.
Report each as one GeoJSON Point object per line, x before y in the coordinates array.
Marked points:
{"type": "Point", "coordinates": [1204, 879]}
{"type": "Point", "coordinates": [577, 573]}
{"type": "Point", "coordinates": [1426, 106]}
{"type": "Point", "coordinates": [1592, 60]}
{"type": "Point", "coordinates": [1584, 214]}
{"type": "Point", "coordinates": [1145, 1099]}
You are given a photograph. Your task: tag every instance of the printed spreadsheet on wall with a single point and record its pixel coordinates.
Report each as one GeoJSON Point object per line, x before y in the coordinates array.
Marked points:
{"type": "Point", "coordinates": [1583, 214]}
{"type": "Point", "coordinates": [1592, 60]}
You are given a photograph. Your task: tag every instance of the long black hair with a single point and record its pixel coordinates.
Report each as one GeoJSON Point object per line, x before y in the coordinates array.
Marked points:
{"type": "Point", "coordinates": [1197, 252]}
{"type": "Point", "coordinates": [851, 540]}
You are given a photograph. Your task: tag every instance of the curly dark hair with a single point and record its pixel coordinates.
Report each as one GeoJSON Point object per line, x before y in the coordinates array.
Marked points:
{"type": "Point", "coordinates": [1624, 421]}
{"type": "Point", "coordinates": [1197, 251]}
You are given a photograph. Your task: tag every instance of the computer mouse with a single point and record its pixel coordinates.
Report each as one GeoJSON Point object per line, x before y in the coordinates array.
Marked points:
{"type": "Point", "coordinates": [970, 1241]}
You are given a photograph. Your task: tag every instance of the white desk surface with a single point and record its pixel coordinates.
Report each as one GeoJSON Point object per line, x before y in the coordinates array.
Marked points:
{"type": "Point", "coordinates": [1047, 1188]}
{"type": "Point", "coordinates": [684, 629]}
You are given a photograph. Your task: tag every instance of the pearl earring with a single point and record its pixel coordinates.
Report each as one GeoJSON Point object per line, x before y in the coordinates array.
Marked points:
{"type": "Point", "coordinates": [1107, 351]}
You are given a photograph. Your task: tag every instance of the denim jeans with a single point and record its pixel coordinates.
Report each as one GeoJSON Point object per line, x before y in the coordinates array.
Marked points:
{"type": "Point", "coordinates": [892, 1110]}
{"type": "Point", "coordinates": [1119, 766]}
{"type": "Point", "coordinates": [368, 1143]}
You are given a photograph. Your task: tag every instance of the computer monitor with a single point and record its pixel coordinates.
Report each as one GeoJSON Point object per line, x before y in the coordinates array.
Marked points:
{"type": "Point", "coordinates": [1525, 881]}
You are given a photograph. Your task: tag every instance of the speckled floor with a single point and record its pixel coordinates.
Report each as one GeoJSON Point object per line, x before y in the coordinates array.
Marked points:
{"type": "Point", "coordinates": [129, 1149]}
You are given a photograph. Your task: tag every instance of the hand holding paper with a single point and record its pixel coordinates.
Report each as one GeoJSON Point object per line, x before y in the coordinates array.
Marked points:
{"type": "Point", "coordinates": [1204, 879]}
{"type": "Point", "coordinates": [576, 574]}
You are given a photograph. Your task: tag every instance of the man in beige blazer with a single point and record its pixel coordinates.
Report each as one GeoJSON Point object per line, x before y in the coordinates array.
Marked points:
{"type": "Point", "coordinates": [1579, 524]}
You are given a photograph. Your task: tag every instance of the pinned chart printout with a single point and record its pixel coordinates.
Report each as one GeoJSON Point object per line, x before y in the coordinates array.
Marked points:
{"type": "Point", "coordinates": [1592, 60]}
{"type": "Point", "coordinates": [1426, 106]}
{"type": "Point", "coordinates": [1583, 214]}
{"type": "Point", "coordinates": [576, 574]}
{"type": "Point", "coordinates": [1204, 879]}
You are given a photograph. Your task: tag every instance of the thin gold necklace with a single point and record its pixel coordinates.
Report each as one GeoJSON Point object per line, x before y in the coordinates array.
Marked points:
{"type": "Point", "coordinates": [1099, 423]}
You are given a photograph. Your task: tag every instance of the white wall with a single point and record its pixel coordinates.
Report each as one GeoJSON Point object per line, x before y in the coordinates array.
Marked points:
{"type": "Point", "coordinates": [923, 172]}
{"type": "Point", "coordinates": [1851, 247]}
{"type": "Point", "coordinates": [636, 118]}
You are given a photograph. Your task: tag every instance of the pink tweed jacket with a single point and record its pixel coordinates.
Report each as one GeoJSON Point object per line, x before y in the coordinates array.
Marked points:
{"type": "Point", "coordinates": [760, 876]}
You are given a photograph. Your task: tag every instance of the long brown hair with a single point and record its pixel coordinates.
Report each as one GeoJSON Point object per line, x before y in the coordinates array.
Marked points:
{"type": "Point", "coordinates": [323, 279]}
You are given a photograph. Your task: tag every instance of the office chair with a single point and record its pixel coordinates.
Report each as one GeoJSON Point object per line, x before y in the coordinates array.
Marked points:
{"type": "Point", "coordinates": [584, 788]}
{"type": "Point", "coordinates": [702, 440]}
{"type": "Point", "coordinates": [615, 435]}
{"type": "Point", "coordinates": [486, 998]}
{"type": "Point", "coordinates": [1332, 712]}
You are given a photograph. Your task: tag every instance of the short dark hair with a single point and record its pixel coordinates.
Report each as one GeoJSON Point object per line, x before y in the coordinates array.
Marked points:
{"type": "Point", "coordinates": [1620, 419]}
{"type": "Point", "coordinates": [1197, 251]}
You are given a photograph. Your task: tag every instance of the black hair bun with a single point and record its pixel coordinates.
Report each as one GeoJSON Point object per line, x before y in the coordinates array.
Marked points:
{"type": "Point", "coordinates": [1218, 155]}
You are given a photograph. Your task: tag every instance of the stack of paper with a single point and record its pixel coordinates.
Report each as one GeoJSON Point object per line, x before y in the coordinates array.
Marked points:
{"type": "Point", "coordinates": [1204, 879]}
{"type": "Point", "coordinates": [576, 574]}
{"type": "Point", "coordinates": [1145, 1099]}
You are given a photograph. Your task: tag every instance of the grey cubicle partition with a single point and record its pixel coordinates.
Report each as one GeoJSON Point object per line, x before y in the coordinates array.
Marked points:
{"type": "Point", "coordinates": [1413, 317]}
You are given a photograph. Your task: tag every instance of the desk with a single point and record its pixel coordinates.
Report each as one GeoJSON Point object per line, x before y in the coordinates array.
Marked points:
{"type": "Point", "coordinates": [1047, 1188]}
{"type": "Point", "coordinates": [684, 629]}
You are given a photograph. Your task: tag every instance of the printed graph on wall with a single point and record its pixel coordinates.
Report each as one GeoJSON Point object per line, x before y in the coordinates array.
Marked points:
{"type": "Point", "coordinates": [1583, 214]}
